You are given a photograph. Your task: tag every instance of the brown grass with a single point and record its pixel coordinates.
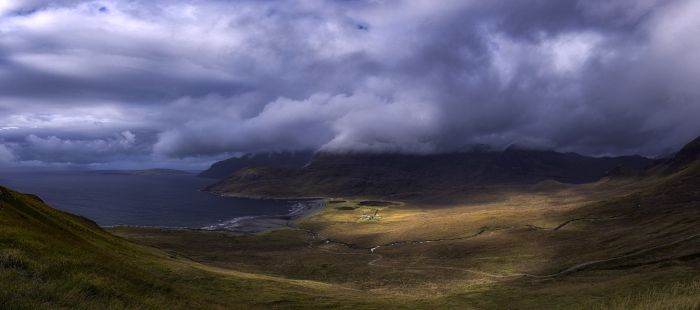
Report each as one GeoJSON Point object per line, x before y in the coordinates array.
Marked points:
{"type": "Point", "coordinates": [486, 242]}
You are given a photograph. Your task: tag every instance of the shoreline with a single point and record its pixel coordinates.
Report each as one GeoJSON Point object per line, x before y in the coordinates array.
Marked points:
{"type": "Point", "coordinates": [252, 224]}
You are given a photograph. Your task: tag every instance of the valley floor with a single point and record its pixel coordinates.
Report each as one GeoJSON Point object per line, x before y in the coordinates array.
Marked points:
{"type": "Point", "coordinates": [612, 244]}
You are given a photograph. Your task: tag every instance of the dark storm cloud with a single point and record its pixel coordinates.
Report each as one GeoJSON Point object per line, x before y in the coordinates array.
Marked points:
{"type": "Point", "coordinates": [93, 82]}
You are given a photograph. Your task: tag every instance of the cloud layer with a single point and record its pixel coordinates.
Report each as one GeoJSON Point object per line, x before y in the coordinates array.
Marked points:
{"type": "Point", "coordinates": [181, 83]}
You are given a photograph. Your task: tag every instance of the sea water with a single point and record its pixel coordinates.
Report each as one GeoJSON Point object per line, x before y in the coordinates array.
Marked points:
{"type": "Point", "coordinates": [138, 200]}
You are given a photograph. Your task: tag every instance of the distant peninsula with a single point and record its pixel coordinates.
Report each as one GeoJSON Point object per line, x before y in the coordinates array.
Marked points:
{"type": "Point", "coordinates": [154, 171]}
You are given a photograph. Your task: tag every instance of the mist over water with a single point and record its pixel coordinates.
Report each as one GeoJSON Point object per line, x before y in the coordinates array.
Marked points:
{"type": "Point", "coordinates": [157, 200]}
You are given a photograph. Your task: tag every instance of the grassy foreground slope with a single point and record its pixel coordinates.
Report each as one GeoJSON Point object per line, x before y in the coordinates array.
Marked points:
{"type": "Point", "coordinates": [53, 260]}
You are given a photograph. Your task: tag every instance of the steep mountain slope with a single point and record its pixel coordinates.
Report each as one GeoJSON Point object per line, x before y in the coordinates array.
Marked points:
{"type": "Point", "coordinates": [688, 154]}
{"type": "Point", "coordinates": [388, 175]}
{"type": "Point", "coordinates": [225, 168]}
{"type": "Point", "coordinates": [683, 158]}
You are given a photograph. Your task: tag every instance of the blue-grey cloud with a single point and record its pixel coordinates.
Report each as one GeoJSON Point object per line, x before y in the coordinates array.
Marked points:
{"type": "Point", "coordinates": [194, 80]}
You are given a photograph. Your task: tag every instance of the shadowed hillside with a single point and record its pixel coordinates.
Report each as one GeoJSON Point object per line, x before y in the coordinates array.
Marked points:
{"type": "Point", "coordinates": [683, 158]}
{"type": "Point", "coordinates": [405, 176]}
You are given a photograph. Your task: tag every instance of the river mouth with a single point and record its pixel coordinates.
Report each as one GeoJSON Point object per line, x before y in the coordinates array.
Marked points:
{"type": "Point", "coordinates": [168, 201]}
{"type": "Point", "coordinates": [253, 224]}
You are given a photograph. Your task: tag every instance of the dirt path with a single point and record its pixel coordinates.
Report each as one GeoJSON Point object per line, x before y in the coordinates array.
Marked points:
{"type": "Point", "coordinates": [563, 272]}
{"type": "Point", "coordinates": [600, 261]}
{"type": "Point", "coordinates": [315, 236]}
{"type": "Point", "coordinates": [374, 262]}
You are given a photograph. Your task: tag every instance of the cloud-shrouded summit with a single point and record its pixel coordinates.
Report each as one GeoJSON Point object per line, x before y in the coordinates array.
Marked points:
{"type": "Point", "coordinates": [182, 82]}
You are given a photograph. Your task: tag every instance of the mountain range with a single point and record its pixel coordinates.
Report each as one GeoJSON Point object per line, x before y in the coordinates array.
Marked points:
{"type": "Point", "coordinates": [404, 175]}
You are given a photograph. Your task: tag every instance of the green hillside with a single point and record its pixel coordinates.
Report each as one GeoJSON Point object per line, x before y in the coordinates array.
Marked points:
{"type": "Point", "coordinates": [53, 260]}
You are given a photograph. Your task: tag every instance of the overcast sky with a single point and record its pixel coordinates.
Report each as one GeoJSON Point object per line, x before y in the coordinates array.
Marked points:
{"type": "Point", "coordinates": [182, 83]}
